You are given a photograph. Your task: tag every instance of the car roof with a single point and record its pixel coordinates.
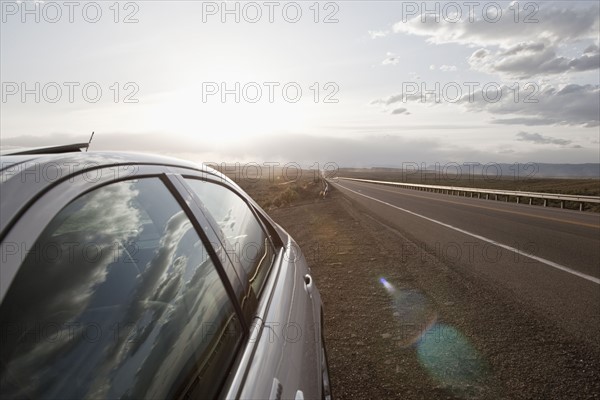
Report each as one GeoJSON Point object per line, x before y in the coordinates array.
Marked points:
{"type": "Point", "coordinates": [99, 158]}
{"type": "Point", "coordinates": [24, 176]}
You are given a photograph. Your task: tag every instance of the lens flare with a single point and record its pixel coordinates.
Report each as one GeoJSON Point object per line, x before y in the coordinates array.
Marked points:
{"type": "Point", "coordinates": [388, 286]}
{"type": "Point", "coordinates": [444, 352]}
{"type": "Point", "coordinates": [414, 313]}
{"type": "Point", "coordinates": [449, 358]}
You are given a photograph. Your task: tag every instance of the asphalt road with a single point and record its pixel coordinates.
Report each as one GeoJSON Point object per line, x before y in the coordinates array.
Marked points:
{"type": "Point", "coordinates": [547, 258]}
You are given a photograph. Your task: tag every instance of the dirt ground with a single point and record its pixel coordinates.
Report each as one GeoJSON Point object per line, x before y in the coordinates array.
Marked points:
{"type": "Point", "coordinates": [400, 323]}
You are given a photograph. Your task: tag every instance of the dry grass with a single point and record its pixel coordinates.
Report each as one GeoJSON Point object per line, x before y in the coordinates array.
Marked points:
{"type": "Point", "coordinates": [275, 190]}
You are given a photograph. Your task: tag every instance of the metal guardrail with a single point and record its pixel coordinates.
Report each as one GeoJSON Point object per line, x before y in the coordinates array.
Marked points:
{"type": "Point", "coordinates": [518, 195]}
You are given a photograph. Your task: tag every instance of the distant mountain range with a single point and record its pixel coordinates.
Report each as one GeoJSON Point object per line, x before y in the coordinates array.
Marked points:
{"type": "Point", "coordinates": [532, 170]}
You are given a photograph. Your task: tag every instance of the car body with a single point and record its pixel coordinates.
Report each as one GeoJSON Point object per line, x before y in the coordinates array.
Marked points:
{"type": "Point", "coordinates": [139, 276]}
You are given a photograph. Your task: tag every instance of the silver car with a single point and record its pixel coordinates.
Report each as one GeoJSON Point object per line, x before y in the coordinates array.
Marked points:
{"type": "Point", "coordinates": [136, 276]}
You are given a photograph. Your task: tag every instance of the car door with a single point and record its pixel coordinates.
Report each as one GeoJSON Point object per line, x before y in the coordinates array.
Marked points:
{"type": "Point", "coordinates": [285, 343]}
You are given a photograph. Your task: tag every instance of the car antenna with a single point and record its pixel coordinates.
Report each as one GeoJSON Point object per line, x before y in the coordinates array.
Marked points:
{"type": "Point", "coordinates": [90, 142]}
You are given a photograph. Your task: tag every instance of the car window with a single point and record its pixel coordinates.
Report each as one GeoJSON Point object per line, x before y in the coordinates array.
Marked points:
{"type": "Point", "coordinates": [246, 239]}
{"type": "Point", "coordinates": [118, 298]}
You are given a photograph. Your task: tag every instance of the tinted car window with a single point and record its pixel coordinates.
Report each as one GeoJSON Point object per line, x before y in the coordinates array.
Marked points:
{"type": "Point", "coordinates": [247, 241]}
{"type": "Point", "coordinates": [118, 298]}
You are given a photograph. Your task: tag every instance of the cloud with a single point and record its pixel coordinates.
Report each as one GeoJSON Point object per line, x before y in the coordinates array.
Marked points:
{"type": "Point", "coordinates": [378, 34]}
{"type": "Point", "coordinates": [525, 60]}
{"type": "Point", "coordinates": [479, 54]}
{"type": "Point", "coordinates": [396, 98]}
{"type": "Point", "coordinates": [448, 68]}
{"type": "Point", "coordinates": [400, 111]}
{"type": "Point", "coordinates": [520, 121]}
{"type": "Point", "coordinates": [445, 68]}
{"type": "Point", "coordinates": [555, 25]}
{"type": "Point", "coordinates": [591, 49]}
{"type": "Point", "coordinates": [536, 138]}
{"type": "Point", "coordinates": [528, 105]}
{"type": "Point", "coordinates": [391, 59]}
{"type": "Point", "coordinates": [521, 49]}
{"type": "Point", "coordinates": [570, 105]}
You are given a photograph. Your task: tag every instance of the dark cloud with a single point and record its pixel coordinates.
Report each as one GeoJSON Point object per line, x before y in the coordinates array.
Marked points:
{"type": "Point", "coordinates": [538, 42]}
{"type": "Point", "coordinates": [586, 62]}
{"type": "Point", "coordinates": [570, 105]}
{"type": "Point", "coordinates": [400, 111]}
{"type": "Point", "coordinates": [479, 54]}
{"type": "Point", "coordinates": [529, 59]}
{"type": "Point", "coordinates": [539, 139]}
{"type": "Point", "coordinates": [548, 105]}
{"type": "Point", "coordinates": [591, 49]}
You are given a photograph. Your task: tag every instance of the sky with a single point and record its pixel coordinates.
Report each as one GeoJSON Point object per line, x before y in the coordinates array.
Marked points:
{"type": "Point", "coordinates": [357, 83]}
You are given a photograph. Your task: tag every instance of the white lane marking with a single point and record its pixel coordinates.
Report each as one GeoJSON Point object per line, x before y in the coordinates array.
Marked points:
{"type": "Point", "coordinates": [540, 259]}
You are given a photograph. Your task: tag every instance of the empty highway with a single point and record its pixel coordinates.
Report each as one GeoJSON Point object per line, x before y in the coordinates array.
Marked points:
{"type": "Point", "coordinates": [547, 258]}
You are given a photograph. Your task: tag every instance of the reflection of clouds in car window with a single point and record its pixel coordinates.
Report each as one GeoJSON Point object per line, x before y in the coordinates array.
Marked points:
{"type": "Point", "coordinates": [234, 217]}
{"type": "Point", "coordinates": [89, 233]}
{"type": "Point", "coordinates": [180, 334]}
{"type": "Point", "coordinates": [244, 239]}
{"type": "Point", "coordinates": [90, 212]}
{"type": "Point", "coordinates": [152, 292]}
{"type": "Point", "coordinates": [172, 335]}
{"type": "Point", "coordinates": [149, 308]}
